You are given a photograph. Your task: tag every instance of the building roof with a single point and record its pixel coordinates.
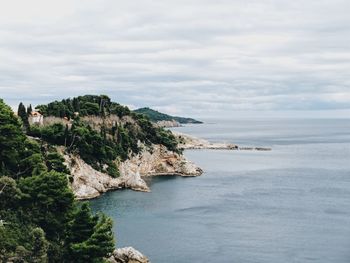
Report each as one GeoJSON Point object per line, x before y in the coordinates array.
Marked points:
{"type": "Point", "coordinates": [35, 114]}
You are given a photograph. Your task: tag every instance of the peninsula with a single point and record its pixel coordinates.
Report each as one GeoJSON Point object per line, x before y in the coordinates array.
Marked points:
{"type": "Point", "coordinates": [165, 120]}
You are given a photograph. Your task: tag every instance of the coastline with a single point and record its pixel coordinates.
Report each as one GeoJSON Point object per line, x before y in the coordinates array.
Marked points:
{"type": "Point", "coordinates": [88, 183]}
{"type": "Point", "coordinates": [189, 142]}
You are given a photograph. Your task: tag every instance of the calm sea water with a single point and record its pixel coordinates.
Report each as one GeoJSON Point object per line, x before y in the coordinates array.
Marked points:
{"type": "Point", "coordinates": [288, 205]}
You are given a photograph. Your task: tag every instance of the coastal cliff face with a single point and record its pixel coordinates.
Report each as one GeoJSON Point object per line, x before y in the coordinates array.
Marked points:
{"type": "Point", "coordinates": [88, 183]}
{"type": "Point", "coordinates": [167, 124]}
{"type": "Point", "coordinates": [127, 255]}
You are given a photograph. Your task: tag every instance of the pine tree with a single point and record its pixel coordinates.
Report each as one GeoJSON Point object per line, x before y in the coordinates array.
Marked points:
{"type": "Point", "coordinates": [49, 202]}
{"type": "Point", "coordinates": [82, 226]}
{"type": "Point", "coordinates": [100, 245]}
{"type": "Point", "coordinates": [40, 246]}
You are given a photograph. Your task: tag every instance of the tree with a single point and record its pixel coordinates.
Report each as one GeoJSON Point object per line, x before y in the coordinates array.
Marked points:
{"type": "Point", "coordinates": [10, 194]}
{"type": "Point", "coordinates": [100, 245]}
{"type": "Point", "coordinates": [82, 226]}
{"type": "Point", "coordinates": [55, 161]}
{"type": "Point", "coordinates": [76, 105]}
{"type": "Point", "coordinates": [40, 220]}
{"type": "Point", "coordinates": [48, 201]}
{"type": "Point", "coordinates": [101, 242]}
{"type": "Point", "coordinates": [22, 113]}
{"type": "Point", "coordinates": [29, 110]}
{"type": "Point", "coordinates": [12, 141]}
{"type": "Point", "coordinates": [32, 165]}
{"type": "Point", "coordinates": [40, 246]}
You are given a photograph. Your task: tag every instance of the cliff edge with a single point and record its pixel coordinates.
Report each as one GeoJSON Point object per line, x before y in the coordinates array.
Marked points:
{"type": "Point", "coordinates": [89, 183]}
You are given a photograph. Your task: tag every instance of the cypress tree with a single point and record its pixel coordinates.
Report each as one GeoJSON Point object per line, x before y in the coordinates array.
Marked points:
{"type": "Point", "coordinates": [76, 105]}
{"type": "Point", "coordinates": [29, 110]}
{"type": "Point", "coordinates": [22, 113]}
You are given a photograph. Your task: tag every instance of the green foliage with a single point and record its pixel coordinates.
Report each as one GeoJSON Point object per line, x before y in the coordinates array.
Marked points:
{"type": "Point", "coordinates": [10, 194]}
{"type": "Point", "coordinates": [99, 245]}
{"type": "Point", "coordinates": [11, 141]}
{"type": "Point", "coordinates": [49, 201]}
{"type": "Point", "coordinates": [29, 110]}
{"type": "Point", "coordinates": [55, 161]}
{"type": "Point", "coordinates": [40, 220]}
{"type": "Point", "coordinates": [82, 226]}
{"type": "Point", "coordinates": [155, 116]}
{"type": "Point", "coordinates": [33, 164]}
{"type": "Point", "coordinates": [22, 113]}
{"type": "Point", "coordinates": [100, 148]}
{"type": "Point", "coordinates": [84, 105]}
{"type": "Point", "coordinates": [40, 246]}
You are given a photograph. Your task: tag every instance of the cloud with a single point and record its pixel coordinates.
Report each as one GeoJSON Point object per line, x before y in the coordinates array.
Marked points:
{"type": "Point", "coordinates": [186, 57]}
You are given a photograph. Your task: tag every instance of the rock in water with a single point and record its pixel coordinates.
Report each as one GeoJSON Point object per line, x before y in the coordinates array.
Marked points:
{"type": "Point", "coordinates": [127, 255]}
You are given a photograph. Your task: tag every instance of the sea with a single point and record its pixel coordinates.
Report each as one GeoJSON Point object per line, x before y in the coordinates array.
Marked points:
{"type": "Point", "coordinates": [290, 204]}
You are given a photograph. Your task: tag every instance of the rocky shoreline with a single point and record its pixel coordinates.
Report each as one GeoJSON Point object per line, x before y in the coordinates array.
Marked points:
{"type": "Point", "coordinates": [88, 183]}
{"type": "Point", "coordinates": [188, 142]}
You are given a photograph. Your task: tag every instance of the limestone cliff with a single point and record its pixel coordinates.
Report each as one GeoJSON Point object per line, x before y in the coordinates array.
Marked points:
{"type": "Point", "coordinates": [127, 255]}
{"type": "Point", "coordinates": [88, 183]}
{"type": "Point", "coordinates": [167, 124]}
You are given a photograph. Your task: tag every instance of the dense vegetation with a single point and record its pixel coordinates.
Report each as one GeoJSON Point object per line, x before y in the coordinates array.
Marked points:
{"type": "Point", "coordinates": [102, 148]}
{"type": "Point", "coordinates": [84, 105]}
{"type": "Point", "coordinates": [39, 219]}
{"type": "Point", "coordinates": [155, 116]}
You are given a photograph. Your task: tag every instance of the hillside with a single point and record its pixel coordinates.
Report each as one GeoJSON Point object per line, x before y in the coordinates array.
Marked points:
{"type": "Point", "coordinates": [157, 116]}
{"type": "Point", "coordinates": [102, 132]}
{"type": "Point", "coordinates": [67, 150]}
{"type": "Point", "coordinates": [105, 145]}
{"type": "Point", "coordinates": [39, 219]}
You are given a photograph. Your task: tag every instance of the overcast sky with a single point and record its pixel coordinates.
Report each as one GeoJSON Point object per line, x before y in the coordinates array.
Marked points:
{"type": "Point", "coordinates": [185, 57]}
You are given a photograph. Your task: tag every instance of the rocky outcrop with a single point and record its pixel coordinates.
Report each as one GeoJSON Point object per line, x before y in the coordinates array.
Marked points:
{"type": "Point", "coordinates": [167, 124]}
{"type": "Point", "coordinates": [190, 142]}
{"type": "Point", "coordinates": [159, 161]}
{"type": "Point", "coordinates": [127, 255]}
{"type": "Point", "coordinates": [264, 149]}
{"type": "Point", "coordinates": [88, 183]}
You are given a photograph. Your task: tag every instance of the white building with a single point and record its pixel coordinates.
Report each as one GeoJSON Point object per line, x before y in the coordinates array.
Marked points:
{"type": "Point", "coordinates": [36, 118]}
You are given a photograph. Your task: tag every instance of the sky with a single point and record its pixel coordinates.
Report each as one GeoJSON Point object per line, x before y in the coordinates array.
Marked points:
{"type": "Point", "coordinates": [184, 57]}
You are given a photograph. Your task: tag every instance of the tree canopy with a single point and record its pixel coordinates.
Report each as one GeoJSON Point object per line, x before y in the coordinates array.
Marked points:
{"type": "Point", "coordinates": [40, 220]}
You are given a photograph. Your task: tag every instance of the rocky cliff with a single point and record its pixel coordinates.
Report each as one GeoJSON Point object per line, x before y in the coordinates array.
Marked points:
{"type": "Point", "coordinates": [190, 142]}
{"type": "Point", "coordinates": [88, 183]}
{"type": "Point", "coordinates": [167, 124]}
{"type": "Point", "coordinates": [127, 255]}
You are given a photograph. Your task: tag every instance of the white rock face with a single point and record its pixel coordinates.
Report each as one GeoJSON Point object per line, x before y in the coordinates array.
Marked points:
{"type": "Point", "coordinates": [127, 255]}
{"type": "Point", "coordinates": [167, 124]}
{"type": "Point", "coordinates": [89, 183]}
{"type": "Point", "coordinates": [190, 142]}
{"type": "Point", "coordinates": [159, 161]}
